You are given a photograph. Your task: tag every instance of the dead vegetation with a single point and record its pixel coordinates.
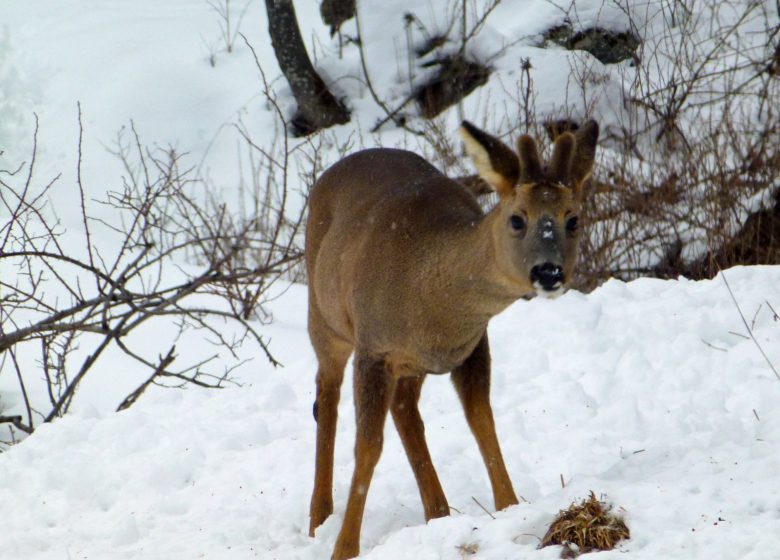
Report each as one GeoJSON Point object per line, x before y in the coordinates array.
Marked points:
{"type": "Point", "coordinates": [467, 550]}
{"type": "Point", "coordinates": [585, 527]}
{"type": "Point", "coordinates": [713, 208]}
{"type": "Point", "coordinates": [688, 178]}
{"type": "Point", "coordinates": [162, 253]}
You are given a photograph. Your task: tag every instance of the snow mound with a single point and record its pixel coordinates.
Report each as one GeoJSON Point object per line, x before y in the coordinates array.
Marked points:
{"type": "Point", "coordinates": [649, 393]}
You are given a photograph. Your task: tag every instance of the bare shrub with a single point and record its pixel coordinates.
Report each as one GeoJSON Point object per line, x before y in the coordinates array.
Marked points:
{"type": "Point", "coordinates": [687, 217]}
{"type": "Point", "coordinates": [229, 28]}
{"type": "Point", "coordinates": [697, 154]}
{"type": "Point", "coordinates": [687, 181]}
{"type": "Point", "coordinates": [170, 256]}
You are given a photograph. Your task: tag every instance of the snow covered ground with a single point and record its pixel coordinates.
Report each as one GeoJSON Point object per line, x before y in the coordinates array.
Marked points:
{"type": "Point", "coordinates": [648, 393]}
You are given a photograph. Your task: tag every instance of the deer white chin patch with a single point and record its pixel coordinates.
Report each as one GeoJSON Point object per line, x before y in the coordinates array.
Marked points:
{"type": "Point", "coordinates": [549, 294]}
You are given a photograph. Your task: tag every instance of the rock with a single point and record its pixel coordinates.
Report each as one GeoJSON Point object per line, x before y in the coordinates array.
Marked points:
{"type": "Point", "coordinates": [607, 46]}
{"type": "Point", "coordinates": [336, 12]}
{"type": "Point", "coordinates": [454, 80]}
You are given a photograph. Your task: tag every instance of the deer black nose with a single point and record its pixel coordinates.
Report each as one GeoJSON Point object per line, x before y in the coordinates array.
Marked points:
{"type": "Point", "coordinates": [549, 275]}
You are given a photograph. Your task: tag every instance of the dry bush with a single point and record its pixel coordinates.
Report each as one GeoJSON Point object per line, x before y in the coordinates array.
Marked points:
{"type": "Point", "coordinates": [283, 172]}
{"type": "Point", "coordinates": [229, 28]}
{"type": "Point", "coordinates": [687, 181]}
{"type": "Point", "coordinates": [691, 185]}
{"type": "Point", "coordinates": [165, 254]}
{"type": "Point", "coordinates": [170, 251]}
{"type": "Point", "coordinates": [714, 208]}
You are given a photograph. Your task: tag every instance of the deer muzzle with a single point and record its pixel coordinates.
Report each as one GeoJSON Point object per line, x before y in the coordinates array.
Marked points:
{"type": "Point", "coordinates": [547, 278]}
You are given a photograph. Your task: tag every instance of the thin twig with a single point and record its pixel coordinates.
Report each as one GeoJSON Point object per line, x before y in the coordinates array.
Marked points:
{"type": "Point", "coordinates": [25, 397]}
{"type": "Point", "coordinates": [749, 330]}
{"type": "Point", "coordinates": [84, 218]}
{"type": "Point", "coordinates": [753, 322]}
{"type": "Point", "coordinates": [370, 85]}
{"type": "Point", "coordinates": [130, 399]}
{"type": "Point", "coordinates": [483, 507]}
{"type": "Point", "coordinates": [775, 316]}
{"type": "Point", "coordinates": [739, 335]}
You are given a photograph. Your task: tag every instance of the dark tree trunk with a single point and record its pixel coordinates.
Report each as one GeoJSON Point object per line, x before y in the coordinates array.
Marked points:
{"type": "Point", "coordinates": [317, 108]}
{"type": "Point", "coordinates": [336, 12]}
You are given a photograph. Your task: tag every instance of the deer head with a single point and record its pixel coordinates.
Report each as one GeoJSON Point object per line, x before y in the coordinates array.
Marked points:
{"type": "Point", "coordinates": [536, 236]}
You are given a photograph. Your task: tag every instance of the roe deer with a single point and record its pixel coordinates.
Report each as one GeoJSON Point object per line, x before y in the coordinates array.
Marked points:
{"type": "Point", "coordinates": [406, 270]}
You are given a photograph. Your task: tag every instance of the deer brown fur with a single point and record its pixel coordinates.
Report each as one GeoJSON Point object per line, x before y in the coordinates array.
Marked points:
{"type": "Point", "coordinates": [406, 270]}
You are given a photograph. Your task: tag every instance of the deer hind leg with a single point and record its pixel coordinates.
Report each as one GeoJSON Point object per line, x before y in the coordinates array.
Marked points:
{"type": "Point", "coordinates": [472, 382]}
{"type": "Point", "coordinates": [409, 424]}
{"type": "Point", "coordinates": [332, 355]}
{"type": "Point", "coordinates": [374, 386]}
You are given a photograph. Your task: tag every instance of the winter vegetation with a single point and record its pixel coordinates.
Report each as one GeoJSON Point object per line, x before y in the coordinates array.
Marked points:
{"type": "Point", "coordinates": [156, 377]}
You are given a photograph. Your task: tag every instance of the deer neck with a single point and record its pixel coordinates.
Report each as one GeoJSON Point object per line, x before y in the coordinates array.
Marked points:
{"type": "Point", "coordinates": [484, 284]}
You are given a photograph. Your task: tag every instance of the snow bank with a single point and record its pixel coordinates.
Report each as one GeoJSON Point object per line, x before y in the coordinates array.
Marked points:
{"type": "Point", "coordinates": [648, 393]}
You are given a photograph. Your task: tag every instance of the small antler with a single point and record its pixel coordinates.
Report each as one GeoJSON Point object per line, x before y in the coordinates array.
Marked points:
{"type": "Point", "coordinates": [530, 165]}
{"type": "Point", "coordinates": [586, 139]}
{"type": "Point", "coordinates": [562, 158]}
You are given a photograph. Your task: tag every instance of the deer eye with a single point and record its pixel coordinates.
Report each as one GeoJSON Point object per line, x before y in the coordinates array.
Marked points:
{"type": "Point", "coordinates": [572, 224]}
{"type": "Point", "coordinates": [517, 222]}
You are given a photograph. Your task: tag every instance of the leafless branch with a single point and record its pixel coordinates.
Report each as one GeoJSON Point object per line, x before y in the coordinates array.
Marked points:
{"type": "Point", "coordinates": [175, 252]}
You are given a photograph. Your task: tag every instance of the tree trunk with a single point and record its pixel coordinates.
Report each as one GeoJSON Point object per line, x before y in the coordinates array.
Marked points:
{"type": "Point", "coordinates": [317, 108]}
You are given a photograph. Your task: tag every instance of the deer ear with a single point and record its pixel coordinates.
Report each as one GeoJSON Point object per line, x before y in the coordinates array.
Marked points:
{"type": "Point", "coordinates": [585, 139]}
{"type": "Point", "coordinates": [561, 162]}
{"type": "Point", "coordinates": [530, 165]}
{"type": "Point", "coordinates": [495, 162]}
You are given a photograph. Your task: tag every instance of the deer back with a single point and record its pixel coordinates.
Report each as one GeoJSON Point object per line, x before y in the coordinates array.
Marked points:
{"type": "Point", "coordinates": [384, 266]}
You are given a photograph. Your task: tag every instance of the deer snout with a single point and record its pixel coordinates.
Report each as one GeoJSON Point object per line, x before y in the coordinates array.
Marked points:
{"type": "Point", "coordinates": [547, 275]}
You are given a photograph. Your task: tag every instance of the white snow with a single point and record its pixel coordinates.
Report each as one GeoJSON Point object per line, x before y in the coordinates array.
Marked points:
{"type": "Point", "coordinates": [648, 393]}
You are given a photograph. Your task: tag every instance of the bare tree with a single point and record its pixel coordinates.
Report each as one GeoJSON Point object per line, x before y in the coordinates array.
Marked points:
{"type": "Point", "coordinates": [317, 107]}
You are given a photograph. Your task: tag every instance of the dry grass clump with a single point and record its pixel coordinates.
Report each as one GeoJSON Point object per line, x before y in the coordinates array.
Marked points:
{"type": "Point", "coordinates": [589, 525]}
{"type": "Point", "coordinates": [467, 550]}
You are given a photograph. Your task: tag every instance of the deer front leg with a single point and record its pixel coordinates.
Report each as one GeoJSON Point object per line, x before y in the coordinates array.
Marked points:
{"type": "Point", "coordinates": [472, 382]}
{"type": "Point", "coordinates": [373, 388]}
{"type": "Point", "coordinates": [409, 424]}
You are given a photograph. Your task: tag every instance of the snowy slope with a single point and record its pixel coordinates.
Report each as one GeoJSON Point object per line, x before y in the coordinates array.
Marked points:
{"type": "Point", "coordinates": [646, 392]}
